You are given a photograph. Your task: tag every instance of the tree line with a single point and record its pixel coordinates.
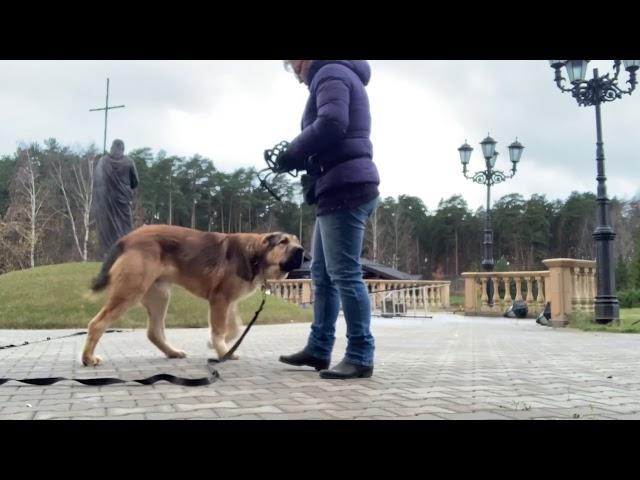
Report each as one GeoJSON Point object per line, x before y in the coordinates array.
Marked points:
{"type": "Point", "coordinates": [46, 200]}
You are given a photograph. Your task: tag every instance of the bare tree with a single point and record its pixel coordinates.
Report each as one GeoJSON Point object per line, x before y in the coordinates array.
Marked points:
{"type": "Point", "coordinates": [84, 192]}
{"type": "Point", "coordinates": [401, 229]}
{"type": "Point", "coordinates": [30, 196]}
{"type": "Point", "coordinates": [77, 193]}
{"type": "Point", "coordinates": [59, 177]}
{"type": "Point", "coordinates": [14, 249]}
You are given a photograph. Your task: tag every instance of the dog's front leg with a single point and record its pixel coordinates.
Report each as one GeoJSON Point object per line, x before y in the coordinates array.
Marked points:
{"type": "Point", "coordinates": [234, 323]}
{"type": "Point", "coordinates": [218, 311]}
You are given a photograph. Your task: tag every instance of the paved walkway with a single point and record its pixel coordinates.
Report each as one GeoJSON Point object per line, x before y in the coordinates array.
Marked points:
{"type": "Point", "coordinates": [448, 367]}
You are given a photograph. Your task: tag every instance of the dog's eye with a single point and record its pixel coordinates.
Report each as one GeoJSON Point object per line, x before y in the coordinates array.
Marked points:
{"type": "Point", "coordinates": [284, 241]}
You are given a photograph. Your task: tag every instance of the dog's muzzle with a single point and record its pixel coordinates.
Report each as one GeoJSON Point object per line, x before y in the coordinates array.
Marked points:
{"type": "Point", "coordinates": [294, 261]}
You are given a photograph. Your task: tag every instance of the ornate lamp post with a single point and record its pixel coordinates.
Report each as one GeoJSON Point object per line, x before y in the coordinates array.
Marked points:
{"type": "Point", "coordinates": [489, 177]}
{"type": "Point", "coordinates": [594, 92]}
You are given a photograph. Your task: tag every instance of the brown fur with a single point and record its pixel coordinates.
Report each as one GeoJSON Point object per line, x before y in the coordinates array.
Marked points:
{"type": "Point", "coordinates": [220, 268]}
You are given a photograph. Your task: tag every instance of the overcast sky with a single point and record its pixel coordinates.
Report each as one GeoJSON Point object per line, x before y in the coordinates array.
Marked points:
{"type": "Point", "coordinates": [422, 111]}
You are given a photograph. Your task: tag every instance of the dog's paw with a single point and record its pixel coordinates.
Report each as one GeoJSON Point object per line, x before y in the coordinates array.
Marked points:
{"type": "Point", "coordinates": [91, 361]}
{"type": "Point", "coordinates": [177, 354]}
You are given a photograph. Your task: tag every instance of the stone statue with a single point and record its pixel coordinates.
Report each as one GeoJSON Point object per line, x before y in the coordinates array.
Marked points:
{"type": "Point", "coordinates": [115, 179]}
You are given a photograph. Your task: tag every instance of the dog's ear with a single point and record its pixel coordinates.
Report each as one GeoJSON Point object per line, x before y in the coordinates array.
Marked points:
{"type": "Point", "coordinates": [270, 240]}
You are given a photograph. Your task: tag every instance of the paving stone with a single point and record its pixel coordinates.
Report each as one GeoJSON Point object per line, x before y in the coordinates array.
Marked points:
{"type": "Point", "coordinates": [448, 367]}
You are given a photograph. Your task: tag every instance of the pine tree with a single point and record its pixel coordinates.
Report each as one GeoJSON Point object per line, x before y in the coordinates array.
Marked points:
{"type": "Point", "coordinates": [635, 266]}
{"type": "Point", "coordinates": [622, 274]}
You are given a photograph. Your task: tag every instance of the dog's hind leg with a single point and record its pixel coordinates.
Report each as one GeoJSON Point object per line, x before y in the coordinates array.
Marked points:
{"type": "Point", "coordinates": [156, 301]}
{"type": "Point", "coordinates": [218, 314]}
{"type": "Point", "coordinates": [115, 307]}
{"type": "Point", "coordinates": [130, 280]}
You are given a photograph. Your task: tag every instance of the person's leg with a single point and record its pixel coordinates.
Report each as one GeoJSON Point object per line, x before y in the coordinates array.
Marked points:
{"type": "Point", "coordinates": [326, 306]}
{"type": "Point", "coordinates": [342, 237]}
{"type": "Point", "coordinates": [326, 303]}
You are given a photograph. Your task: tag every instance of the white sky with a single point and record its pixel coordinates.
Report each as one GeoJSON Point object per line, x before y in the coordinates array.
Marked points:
{"type": "Point", "coordinates": [422, 111]}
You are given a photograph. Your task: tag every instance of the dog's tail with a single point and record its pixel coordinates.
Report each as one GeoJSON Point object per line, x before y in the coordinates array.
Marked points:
{"type": "Point", "coordinates": [102, 280]}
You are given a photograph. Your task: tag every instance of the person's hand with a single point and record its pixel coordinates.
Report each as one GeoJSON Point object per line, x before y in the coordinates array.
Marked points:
{"type": "Point", "coordinates": [280, 159]}
{"type": "Point", "coordinates": [285, 163]}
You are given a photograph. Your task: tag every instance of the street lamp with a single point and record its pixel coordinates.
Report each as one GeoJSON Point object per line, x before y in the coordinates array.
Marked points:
{"type": "Point", "coordinates": [489, 177]}
{"type": "Point", "coordinates": [598, 90]}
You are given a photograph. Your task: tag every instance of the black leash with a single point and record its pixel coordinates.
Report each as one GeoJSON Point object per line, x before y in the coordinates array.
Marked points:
{"type": "Point", "coordinates": [95, 382]}
{"type": "Point", "coordinates": [270, 157]}
{"type": "Point", "coordinates": [48, 339]}
{"type": "Point", "coordinates": [246, 330]}
{"type": "Point", "coordinates": [211, 377]}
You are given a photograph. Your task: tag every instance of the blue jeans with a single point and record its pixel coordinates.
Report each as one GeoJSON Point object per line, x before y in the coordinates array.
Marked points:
{"type": "Point", "coordinates": [336, 273]}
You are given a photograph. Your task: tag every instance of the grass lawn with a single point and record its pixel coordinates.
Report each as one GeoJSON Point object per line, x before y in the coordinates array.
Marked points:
{"type": "Point", "coordinates": [58, 296]}
{"type": "Point", "coordinates": [628, 316]}
{"type": "Point", "coordinates": [456, 300]}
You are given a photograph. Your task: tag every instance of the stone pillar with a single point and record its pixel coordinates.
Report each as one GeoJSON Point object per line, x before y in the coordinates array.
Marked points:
{"type": "Point", "coordinates": [561, 287]}
{"type": "Point", "coordinates": [446, 292]}
{"type": "Point", "coordinates": [470, 294]}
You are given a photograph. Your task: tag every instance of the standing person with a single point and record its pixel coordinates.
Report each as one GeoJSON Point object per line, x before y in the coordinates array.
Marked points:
{"type": "Point", "coordinates": [342, 181]}
{"type": "Point", "coordinates": [115, 179]}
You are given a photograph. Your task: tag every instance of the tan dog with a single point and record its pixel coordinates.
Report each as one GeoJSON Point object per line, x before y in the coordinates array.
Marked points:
{"type": "Point", "coordinates": [221, 268]}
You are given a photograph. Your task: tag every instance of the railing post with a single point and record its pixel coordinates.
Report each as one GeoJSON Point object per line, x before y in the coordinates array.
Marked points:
{"type": "Point", "coordinates": [584, 290]}
{"type": "Point", "coordinates": [529, 290]}
{"type": "Point", "coordinates": [518, 289]}
{"type": "Point", "coordinates": [308, 291]}
{"type": "Point", "coordinates": [593, 290]}
{"type": "Point", "coordinates": [485, 298]}
{"type": "Point", "coordinates": [446, 293]}
{"type": "Point", "coordinates": [575, 286]}
{"type": "Point", "coordinates": [426, 308]}
{"type": "Point", "coordinates": [495, 295]}
{"type": "Point", "coordinates": [507, 290]}
{"type": "Point", "coordinates": [540, 296]}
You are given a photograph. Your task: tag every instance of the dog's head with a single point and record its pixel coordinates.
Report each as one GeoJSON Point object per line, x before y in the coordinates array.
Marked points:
{"type": "Point", "coordinates": [282, 254]}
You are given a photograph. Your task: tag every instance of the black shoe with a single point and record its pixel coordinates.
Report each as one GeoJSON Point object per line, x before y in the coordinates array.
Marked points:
{"type": "Point", "coordinates": [347, 370]}
{"type": "Point", "coordinates": [303, 358]}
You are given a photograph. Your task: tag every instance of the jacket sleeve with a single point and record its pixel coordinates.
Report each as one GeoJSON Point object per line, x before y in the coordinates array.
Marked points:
{"type": "Point", "coordinates": [330, 125]}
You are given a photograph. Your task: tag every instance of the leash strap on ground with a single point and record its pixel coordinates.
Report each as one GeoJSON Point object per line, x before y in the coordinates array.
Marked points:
{"type": "Point", "coordinates": [95, 382]}
{"type": "Point", "coordinates": [212, 376]}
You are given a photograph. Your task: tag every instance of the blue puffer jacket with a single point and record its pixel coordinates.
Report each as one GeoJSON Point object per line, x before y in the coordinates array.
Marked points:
{"type": "Point", "coordinates": [336, 126]}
